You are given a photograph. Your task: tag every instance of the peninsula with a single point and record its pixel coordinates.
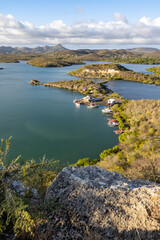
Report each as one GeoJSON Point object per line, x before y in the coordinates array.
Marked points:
{"type": "Point", "coordinates": [96, 90]}
{"type": "Point", "coordinates": [113, 71]}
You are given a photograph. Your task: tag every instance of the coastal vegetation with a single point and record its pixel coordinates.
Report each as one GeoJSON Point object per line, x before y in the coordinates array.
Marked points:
{"type": "Point", "coordinates": [114, 72]}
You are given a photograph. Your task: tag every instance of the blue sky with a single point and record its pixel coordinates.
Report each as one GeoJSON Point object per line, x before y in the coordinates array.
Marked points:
{"type": "Point", "coordinates": [79, 24]}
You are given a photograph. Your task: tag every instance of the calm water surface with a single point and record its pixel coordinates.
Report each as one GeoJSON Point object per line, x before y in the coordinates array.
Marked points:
{"type": "Point", "coordinates": [135, 90]}
{"type": "Point", "coordinates": [44, 121]}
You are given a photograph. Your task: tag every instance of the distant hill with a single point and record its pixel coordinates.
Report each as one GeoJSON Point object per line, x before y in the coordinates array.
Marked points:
{"type": "Point", "coordinates": [78, 52]}
{"type": "Point", "coordinates": [45, 49]}
{"type": "Point", "coordinates": [144, 50]}
{"type": "Point", "coordinates": [133, 56]}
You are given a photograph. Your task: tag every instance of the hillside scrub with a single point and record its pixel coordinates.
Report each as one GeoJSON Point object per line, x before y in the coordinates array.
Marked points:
{"type": "Point", "coordinates": [22, 192]}
{"type": "Point", "coordinates": [138, 154]}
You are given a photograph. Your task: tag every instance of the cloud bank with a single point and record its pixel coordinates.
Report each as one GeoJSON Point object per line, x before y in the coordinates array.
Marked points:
{"type": "Point", "coordinates": [120, 31]}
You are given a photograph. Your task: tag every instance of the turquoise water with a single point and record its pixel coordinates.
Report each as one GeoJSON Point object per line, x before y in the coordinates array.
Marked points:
{"type": "Point", "coordinates": [44, 121]}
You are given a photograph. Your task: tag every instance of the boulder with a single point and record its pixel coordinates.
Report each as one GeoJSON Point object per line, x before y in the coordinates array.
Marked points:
{"type": "Point", "coordinates": [97, 204]}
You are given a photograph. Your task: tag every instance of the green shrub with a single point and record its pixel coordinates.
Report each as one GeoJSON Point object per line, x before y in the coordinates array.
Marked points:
{"type": "Point", "coordinates": [13, 211]}
{"type": "Point", "coordinates": [15, 215]}
{"type": "Point", "coordinates": [86, 162]}
{"type": "Point", "coordinates": [109, 152]}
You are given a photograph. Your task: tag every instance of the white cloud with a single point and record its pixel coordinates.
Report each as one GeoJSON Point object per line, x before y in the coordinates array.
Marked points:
{"type": "Point", "coordinates": [120, 17]}
{"type": "Point", "coordinates": [145, 31]}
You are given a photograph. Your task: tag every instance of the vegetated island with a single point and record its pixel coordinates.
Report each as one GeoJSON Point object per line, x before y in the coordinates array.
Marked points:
{"type": "Point", "coordinates": [113, 71]}
{"type": "Point", "coordinates": [49, 61]}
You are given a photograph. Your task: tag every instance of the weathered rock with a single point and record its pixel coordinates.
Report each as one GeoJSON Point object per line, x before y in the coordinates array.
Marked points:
{"type": "Point", "coordinates": [22, 189]}
{"type": "Point", "coordinates": [34, 82]}
{"type": "Point", "coordinates": [97, 204]}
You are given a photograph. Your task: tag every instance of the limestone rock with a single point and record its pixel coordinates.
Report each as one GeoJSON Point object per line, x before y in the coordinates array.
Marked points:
{"type": "Point", "coordinates": [97, 204]}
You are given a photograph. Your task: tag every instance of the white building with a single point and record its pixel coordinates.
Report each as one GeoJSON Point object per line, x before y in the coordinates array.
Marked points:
{"type": "Point", "coordinates": [111, 101]}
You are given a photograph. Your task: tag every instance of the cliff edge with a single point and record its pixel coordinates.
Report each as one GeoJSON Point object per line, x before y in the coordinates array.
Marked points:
{"type": "Point", "coordinates": [97, 204]}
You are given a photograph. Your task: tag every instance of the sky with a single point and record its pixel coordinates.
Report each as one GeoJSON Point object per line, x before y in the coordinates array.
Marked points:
{"type": "Point", "coordinates": [80, 24]}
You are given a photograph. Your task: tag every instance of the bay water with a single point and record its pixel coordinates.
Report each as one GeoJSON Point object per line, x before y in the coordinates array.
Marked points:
{"type": "Point", "coordinates": [45, 121]}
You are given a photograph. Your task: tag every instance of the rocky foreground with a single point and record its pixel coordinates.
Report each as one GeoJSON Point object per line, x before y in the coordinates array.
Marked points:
{"type": "Point", "coordinates": [98, 205]}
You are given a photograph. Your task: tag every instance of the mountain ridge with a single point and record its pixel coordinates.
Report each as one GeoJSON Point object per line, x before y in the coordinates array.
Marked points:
{"type": "Point", "coordinates": [38, 49]}
{"type": "Point", "coordinates": [59, 47]}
